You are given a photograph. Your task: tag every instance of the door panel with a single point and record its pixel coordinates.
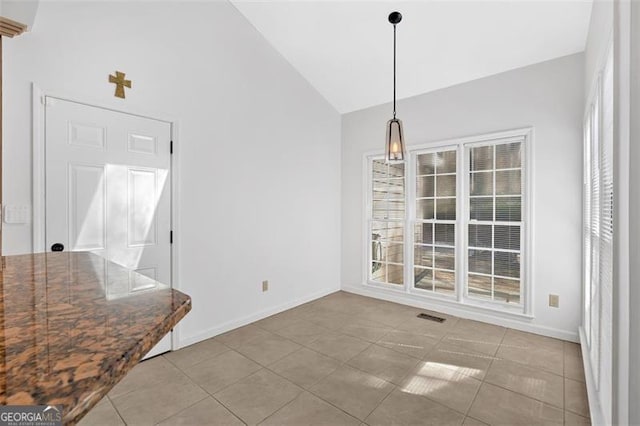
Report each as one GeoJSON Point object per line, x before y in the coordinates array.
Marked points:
{"type": "Point", "coordinates": [108, 191]}
{"type": "Point", "coordinates": [87, 203]}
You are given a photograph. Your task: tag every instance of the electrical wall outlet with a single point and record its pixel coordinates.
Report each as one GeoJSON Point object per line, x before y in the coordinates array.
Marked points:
{"type": "Point", "coordinates": [265, 285]}
{"type": "Point", "coordinates": [554, 300]}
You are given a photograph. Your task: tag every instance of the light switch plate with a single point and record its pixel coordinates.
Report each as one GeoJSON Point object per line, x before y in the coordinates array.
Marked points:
{"type": "Point", "coordinates": [16, 214]}
{"type": "Point", "coordinates": [554, 300]}
{"type": "Point", "coordinates": [265, 285]}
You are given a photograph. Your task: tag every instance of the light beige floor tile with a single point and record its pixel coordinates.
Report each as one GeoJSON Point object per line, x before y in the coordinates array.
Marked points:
{"type": "Point", "coordinates": [353, 391]}
{"type": "Point", "coordinates": [329, 301]}
{"type": "Point", "coordinates": [497, 406]}
{"type": "Point", "coordinates": [330, 319]}
{"type": "Point", "coordinates": [217, 373]}
{"type": "Point", "coordinates": [305, 367]}
{"type": "Point", "coordinates": [303, 311]}
{"type": "Point", "coordinates": [573, 367]}
{"type": "Point", "coordinates": [439, 388]}
{"type": "Point", "coordinates": [366, 331]}
{"type": "Point", "coordinates": [470, 421]}
{"type": "Point", "coordinates": [460, 360]}
{"type": "Point", "coordinates": [339, 346]}
{"type": "Point", "coordinates": [354, 307]}
{"type": "Point", "coordinates": [574, 419]}
{"type": "Point", "coordinates": [575, 397]}
{"type": "Point", "coordinates": [441, 384]}
{"type": "Point", "coordinates": [529, 381]}
{"type": "Point", "coordinates": [401, 408]}
{"type": "Point", "coordinates": [530, 340]}
{"type": "Point", "coordinates": [303, 332]}
{"type": "Point", "coordinates": [268, 349]}
{"type": "Point", "coordinates": [387, 316]}
{"type": "Point", "coordinates": [489, 332]}
{"type": "Point", "coordinates": [345, 305]}
{"type": "Point", "coordinates": [103, 414]}
{"type": "Point", "coordinates": [432, 329]}
{"type": "Point", "coordinates": [152, 404]}
{"type": "Point", "coordinates": [571, 348]}
{"type": "Point", "coordinates": [384, 363]}
{"type": "Point", "coordinates": [238, 337]}
{"type": "Point", "coordinates": [472, 344]}
{"type": "Point", "coordinates": [544, 357]}
{"type": "Point", "coordinates": [307, 409]}
{"type": "Point", "coordinates": [415, 345]}
{"type": "Point", "coordinates": [191, 355]}
{"type": "Point", "coordinates": [279, 321]}
{"type": "Point", "coordinates": [475, 336]}
{"type": "Point", "coordinates": [147, 373]}
{"type": "Point", "coordinates": [256, 397]}
{"type": "Point", "coordinates": [206, 412]}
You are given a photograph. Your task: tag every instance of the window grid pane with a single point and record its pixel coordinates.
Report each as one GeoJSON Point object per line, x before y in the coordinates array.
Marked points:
{"type": "Point", "coordinates": [495, 222]}
{"type": "Point", "coordinates": [387, 217]}
{"type": "Point", "coordinates": [435, 227]}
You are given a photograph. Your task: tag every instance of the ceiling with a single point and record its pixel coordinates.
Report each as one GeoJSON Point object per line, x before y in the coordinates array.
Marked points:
{"type": "Point", "coordinates": [344, 48]}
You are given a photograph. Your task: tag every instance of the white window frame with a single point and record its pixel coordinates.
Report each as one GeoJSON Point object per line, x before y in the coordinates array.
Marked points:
{"type": "Point", "coordinates": [368, 162]}
{"type": "Point", "coordinates": [597, 327]}
{"type": "Point", "coordinates": [460, 296]}
{"type": "Point", "coordinates": [411, 209]}
{"type": "Point", "coordinates": [523, 220]}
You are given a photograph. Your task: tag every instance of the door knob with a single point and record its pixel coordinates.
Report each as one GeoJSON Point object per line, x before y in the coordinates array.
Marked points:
{"type": "Point", "coordinates": [57, 247]}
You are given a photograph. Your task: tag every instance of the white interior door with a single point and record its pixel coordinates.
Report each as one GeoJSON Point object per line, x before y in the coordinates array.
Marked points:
{"type": "Point", "coordinates": [108, 191]}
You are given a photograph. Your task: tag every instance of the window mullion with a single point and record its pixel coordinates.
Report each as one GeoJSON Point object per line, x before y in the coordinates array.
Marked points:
{"type": "Point", "coordinates": [493, 229]}
{"type": "Point", "coordinates": [461, 214]}
{"type": "Point", "coordinates": [410, 194]}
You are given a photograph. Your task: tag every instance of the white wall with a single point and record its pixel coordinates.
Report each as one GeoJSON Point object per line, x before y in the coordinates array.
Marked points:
{"type": "Point", "coordinates": [547, 96]}
{"type": "Point", "coordinates": [259, 148]}
{"type": "Point", "coordinates": [599, 36]}
{"type": "Point", "coordinates": [634, 212]}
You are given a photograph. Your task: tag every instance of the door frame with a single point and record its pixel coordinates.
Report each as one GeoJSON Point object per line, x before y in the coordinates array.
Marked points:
{"type": "Point", "coordinates": [38, 179]}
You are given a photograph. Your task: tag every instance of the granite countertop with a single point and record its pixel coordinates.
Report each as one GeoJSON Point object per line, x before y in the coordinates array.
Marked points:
{"type": "Point", "coordinates": [73, 324]}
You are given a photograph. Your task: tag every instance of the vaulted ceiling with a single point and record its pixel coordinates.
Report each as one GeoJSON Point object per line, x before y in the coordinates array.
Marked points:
{"type": "Point", "coordinates": [344, 48]}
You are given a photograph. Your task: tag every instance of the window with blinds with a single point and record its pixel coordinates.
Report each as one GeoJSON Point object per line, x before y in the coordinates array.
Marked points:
{"type": "Point", "coordinates": [450, 222]}
{"type": "Point", "coordinates": [434, 249]}
{"type": "Point", "coordinates": [495, 221]}
{"type": "Point", "coordinates": [606, 232]}
{"type": "Point", "coordinates": [599, 233]}
{"type": "Point", "coordinates": [387, 222]}
{"type": "Point", "coordinates": [586, 223]}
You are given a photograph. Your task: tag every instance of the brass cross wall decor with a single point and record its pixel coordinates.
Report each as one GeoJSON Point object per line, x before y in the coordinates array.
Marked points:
{"type": "Point", "coordinates": [120, 83]}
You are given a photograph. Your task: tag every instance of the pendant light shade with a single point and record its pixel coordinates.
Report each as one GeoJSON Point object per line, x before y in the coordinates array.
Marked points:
{"type": "Point", "coordinates": [395, 140]}
{"type": "Point", "coordinates": [395, 150]}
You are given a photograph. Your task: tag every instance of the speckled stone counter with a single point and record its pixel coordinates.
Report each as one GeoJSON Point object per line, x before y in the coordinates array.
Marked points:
{"type": "Point", "coordinates": [72, 325]}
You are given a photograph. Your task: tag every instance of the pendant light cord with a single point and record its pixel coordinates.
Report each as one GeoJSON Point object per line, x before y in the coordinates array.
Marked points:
{"type": "Point", "coordinates": [394, 71]}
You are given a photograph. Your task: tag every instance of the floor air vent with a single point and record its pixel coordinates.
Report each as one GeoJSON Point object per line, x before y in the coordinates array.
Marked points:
{"type": "Point", "coordinates": [431, 317]}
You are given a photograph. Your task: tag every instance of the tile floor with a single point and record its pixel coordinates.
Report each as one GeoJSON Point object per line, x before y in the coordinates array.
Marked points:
{"type": "Point", "coordinates": [351, 360]}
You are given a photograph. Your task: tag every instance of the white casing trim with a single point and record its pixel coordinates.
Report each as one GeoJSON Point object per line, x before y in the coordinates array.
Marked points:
{"type": "Point", "coordinates": [595, 409]}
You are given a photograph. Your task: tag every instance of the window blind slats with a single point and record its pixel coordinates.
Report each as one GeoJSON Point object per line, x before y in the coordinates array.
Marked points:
{"type": "Point", "coordinates": [441, 184]}
{"type": "Point", "coordinates": [495, 221]}
{"type": "Point", "coordinates": [386, 224]}
{"type": "Point", "coordinates": [599, 233]}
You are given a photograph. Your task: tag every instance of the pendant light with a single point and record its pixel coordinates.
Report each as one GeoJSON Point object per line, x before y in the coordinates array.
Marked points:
{"type": "Point", "coordinates": [395, 135]}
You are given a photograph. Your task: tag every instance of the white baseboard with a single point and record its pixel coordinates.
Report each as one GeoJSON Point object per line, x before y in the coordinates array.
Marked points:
{"type": "Point", "coordinates": [462, 311]}
{"type": "Point", "coordinates": [595, 409]}
{"type": "Point", "coordinates": [239, 322]}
